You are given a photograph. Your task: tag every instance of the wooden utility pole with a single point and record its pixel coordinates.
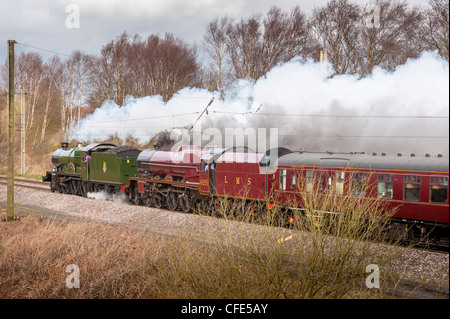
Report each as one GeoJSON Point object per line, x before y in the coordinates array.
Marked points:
{"type": "Point", "coordinates": [10, 175]}
{"type": "Point", "coordinates": [22, 132]}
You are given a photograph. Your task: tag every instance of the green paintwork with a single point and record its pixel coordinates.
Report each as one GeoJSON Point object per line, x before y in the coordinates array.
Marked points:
{"type": "Point", "coordinates": [71, 157]}
{"type": "Point", "coordinates": [108, 168]}
{"type": "Point", "coordinates": [117, 169]}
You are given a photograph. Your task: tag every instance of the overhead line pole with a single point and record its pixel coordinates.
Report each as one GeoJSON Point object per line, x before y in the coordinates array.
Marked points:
{"type": "Point", "coordinates": [10, 175]}
{"type": "Point", "coordinates": [22, 132]}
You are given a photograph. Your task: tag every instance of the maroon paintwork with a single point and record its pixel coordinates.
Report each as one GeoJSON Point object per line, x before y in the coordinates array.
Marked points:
{"type": "Point", "coordinates": [182, 164]}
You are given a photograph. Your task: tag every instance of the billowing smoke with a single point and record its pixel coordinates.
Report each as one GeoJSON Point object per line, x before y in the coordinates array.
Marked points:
{"type": "Point", "coordinates": [404, 111]}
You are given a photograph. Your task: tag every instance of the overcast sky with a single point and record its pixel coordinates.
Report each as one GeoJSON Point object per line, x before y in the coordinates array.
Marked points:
{"type": "Point", "coordinates": [42, 23]}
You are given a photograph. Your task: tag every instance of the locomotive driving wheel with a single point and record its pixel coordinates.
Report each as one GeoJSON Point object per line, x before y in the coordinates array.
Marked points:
{"type": "Point", "coordinates": [172, 201]}
{"type": "Point", "coordinates": [137, 197]}
{"type": "Point", "coordinates": [154, 201]}
{"type": "Point", "coordinates": [185, 202]}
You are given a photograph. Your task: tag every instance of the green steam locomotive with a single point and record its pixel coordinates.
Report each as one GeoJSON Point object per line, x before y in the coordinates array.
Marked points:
{"type": "Point", "coordinates": [92, 168]}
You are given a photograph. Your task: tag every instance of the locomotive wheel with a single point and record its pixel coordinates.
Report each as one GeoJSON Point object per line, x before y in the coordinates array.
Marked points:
{"type": "Point", "coordinates": [157, 202]}
{"type": "Point", "coordinates": [154, 202]}
{"type": "Point", "coordinates": [71, 187]}
{"type": "Point", "coordinates": [76, 187]}
{"type": "Point", "coordinates": [150, 201]}
{"type": "Point", "coordinates": [137, 197]}
{"type": "Point", "coordinates": [83, 189]}
{"type": "Point", "coordinates": [172, 201]}
{"type": "Point", "coordinates": [185, 202]}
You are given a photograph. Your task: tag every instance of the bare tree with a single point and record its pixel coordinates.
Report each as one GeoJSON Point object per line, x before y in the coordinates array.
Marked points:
{"type": "Point", "coordinates": [390, 39]}
{"type": "Point", "coordinates": [51, 75]}
{"type": "Point", "coordinates": [435, 27]}
{"type": "Point", "coordinates": [132, 66]}
{"type": "Point", "coordinates": [29, 76]}
{"type": "Point", "coordinates": [299, 37]}
{"type": "Point", "coordinates": [334, 27]}
{"type": "Point", "coordinates": [245, 47]}
{"type": "Point", "coordinates": [171, 65]}
{"type": "Point", "coordinates": [256, 44]}
{"type": "Point", "coordinates": [215, 43]}
{"type": "Point", "coordinates": [285, 37]}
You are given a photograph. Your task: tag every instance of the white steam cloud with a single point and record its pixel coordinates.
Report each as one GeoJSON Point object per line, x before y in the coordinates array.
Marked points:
{"type": "Point", "coordinates": [103, 195]}
{"type": "Point", "coordinates": [404, 111]}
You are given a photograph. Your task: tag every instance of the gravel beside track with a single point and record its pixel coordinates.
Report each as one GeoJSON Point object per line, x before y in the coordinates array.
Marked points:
{"type": "Point", "coordinates": [415, 263]}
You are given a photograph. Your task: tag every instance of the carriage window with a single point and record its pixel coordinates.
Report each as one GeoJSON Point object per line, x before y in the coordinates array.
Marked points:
{"type": "Point", "coordinates": [329, 181]}
{"type": "Point", "coordinates": [385, 186]}
{"type": "Point", "coordinates": [309, 181]}
{"type": "Point", "coordinates": [320, 179]}
{"type": "Point", "coordinates": [358, 184]}
{"type": "Point", "coordinates": [438, 189]}
{"type": "Point", "coordinates": [282, 179]}
{"type": "Point", "coordinates": [293, 179]}
{"type": "Point", "coordinates": [411, 187]}
{"type": "Point", "coordinates": [340, 182]}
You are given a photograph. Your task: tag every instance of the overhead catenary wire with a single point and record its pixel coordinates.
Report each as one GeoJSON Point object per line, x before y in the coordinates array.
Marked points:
{"type": "Point", "coordinates": [282, 114]}
{"type": "Point", "coordinates": [334, 116]}
{"type": "Point", "coordinates": [46, 50]}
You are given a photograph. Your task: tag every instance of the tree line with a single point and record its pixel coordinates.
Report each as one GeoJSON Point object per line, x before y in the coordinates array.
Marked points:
{"type": "Point", "coordinates": [357, 38]}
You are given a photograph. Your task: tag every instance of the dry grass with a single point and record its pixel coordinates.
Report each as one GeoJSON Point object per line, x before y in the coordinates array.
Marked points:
{"type": "Point", "coordinates": [35, 253]}
{"type": "Point", "coordinates": [240, 260]}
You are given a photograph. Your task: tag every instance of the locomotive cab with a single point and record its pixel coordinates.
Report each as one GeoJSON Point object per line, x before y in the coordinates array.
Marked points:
{"type": "Point", "coordinates": [208, 165]}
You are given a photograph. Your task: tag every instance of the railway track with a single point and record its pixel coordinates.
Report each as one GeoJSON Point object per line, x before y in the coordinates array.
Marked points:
{"type": "Point", "coordinates": [45, 186]}
{"type": "Point", "coordinates": [27, 183]}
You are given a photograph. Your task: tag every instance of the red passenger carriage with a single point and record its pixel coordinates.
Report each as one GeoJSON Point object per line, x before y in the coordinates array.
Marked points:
{"type": "Point", "coordinates": [181, 179]}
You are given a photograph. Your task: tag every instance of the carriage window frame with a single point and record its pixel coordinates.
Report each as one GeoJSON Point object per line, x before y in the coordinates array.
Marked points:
{"type": "Point", "coordinates": [320, 180]}
{"type": "Point", "coordinates": [340, 181]}
{"type": "Point", "coordinates": [293, 179]}
{"type": "Point", "coordinates": [309, 180]}
{"type": "Point", "coordinates": [359, 183]}
{"type": "Point", "coordinates": [283, 177]}
{"type": "Point", "coordinates": [410, 183]}
{"type": "Point", "coordinates": [438, 183]}
{"type": "Point", "coordinates": [385, 186]}
{"type": "Point", "coordinates": [329, 181]}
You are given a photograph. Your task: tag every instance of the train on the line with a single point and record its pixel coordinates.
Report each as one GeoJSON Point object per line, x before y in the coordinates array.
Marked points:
{"type": "Point", "coordinates": [191, 177]}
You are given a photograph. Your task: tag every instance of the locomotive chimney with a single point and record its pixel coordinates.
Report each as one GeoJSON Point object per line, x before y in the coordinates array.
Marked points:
{"type": "Point", "coordinates": [64, 145]}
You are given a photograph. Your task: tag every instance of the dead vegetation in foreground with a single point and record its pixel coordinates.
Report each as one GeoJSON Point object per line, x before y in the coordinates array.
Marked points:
{"type": "Point", "coordinates": [118, 262]}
